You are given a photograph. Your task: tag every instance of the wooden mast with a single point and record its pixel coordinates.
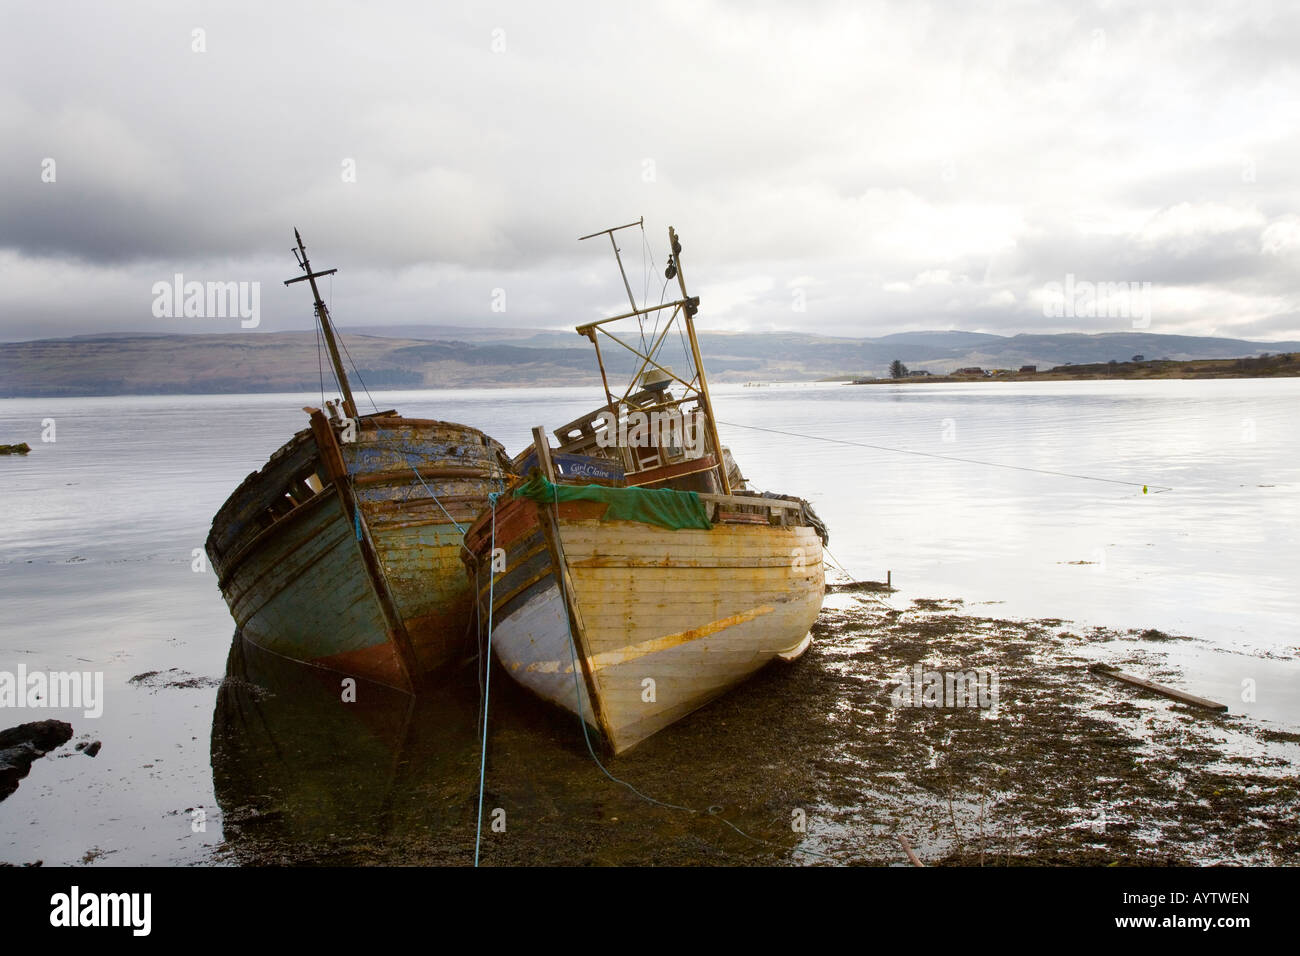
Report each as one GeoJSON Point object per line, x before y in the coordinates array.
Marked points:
{"type": "Point", "coordinates": [688, 311]}
{"type": "Point", "coordinates": [322, 313]}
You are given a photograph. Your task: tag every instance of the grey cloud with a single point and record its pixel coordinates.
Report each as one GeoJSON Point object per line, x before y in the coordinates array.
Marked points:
{"type": "Point", "coordinates": [845, 148]}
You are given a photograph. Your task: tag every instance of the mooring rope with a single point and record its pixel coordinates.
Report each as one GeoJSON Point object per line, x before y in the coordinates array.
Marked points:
{"type": "Point", "coordinates": [837, 565]}
{"type": "Point", "coordinates": [487, 688]}
{"type": "Point", "coordinates": [1146, 488]}
{"type": "Point", "coordinates": [831, 561]}
{"type": "Point", "coordinates": [436, 500]}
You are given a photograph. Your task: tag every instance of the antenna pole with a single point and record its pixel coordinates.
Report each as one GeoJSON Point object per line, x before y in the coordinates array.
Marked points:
{"type": "Point", "coordinates": [322, 313]}
{"type": "Point", "coordinates": [688, 314]}
{"type": "Point", "coordinates": [621, 271]}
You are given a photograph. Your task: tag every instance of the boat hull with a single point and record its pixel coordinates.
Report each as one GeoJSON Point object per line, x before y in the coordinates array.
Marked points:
{"type": "Point", "coordinates": [309, 579]}
{"type": "Point", "coordinates": [667, 619]}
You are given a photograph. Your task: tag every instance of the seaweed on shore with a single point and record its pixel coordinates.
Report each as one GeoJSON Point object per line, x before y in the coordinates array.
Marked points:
{"type": "Point", "coordinates": [817, 763]}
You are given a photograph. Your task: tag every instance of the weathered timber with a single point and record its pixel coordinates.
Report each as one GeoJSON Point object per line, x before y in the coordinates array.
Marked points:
{"type": "Point", "coordinates": [1161, 689]}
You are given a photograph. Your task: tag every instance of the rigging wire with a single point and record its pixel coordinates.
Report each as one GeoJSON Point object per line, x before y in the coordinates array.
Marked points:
{"type": "Point", "coordinates": [645, 269]}
{"type": "Point", "coordinates": [686, 350]}
{"type": "Point", "coordinates": [357, 372]}
{"type": "Point", "coordinates": [320, 362]}
{"type": "Point", "coordinates": [320, 333]}
{"type": "Point", "coordinates": [654, 334]}
{"type": "Point", "coordinates": [647, 263]}
{"type": "Point", "coordinates": [334, 375]}
{"type": "Point", "coordinates": [339, 336]}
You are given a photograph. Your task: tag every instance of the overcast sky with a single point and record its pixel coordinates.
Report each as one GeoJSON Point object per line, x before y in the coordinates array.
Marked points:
{"type": "Point", "coordinates": [849, 169]}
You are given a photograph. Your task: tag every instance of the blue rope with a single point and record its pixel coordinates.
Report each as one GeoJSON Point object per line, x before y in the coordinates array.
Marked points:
{"type": "Point", "coordinates": [435, 498]}
{"type": "Point", "coordinates": [357, 515]}
{"type": "Point", "coordinates": [487, 691]}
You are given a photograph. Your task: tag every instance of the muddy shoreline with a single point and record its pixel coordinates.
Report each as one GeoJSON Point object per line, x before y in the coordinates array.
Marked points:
{"type": "Point", "coordinates": [1071, 768]}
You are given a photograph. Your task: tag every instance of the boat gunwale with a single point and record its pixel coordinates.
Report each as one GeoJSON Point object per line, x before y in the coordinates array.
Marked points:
{"type": "Point", "coordinates": [225, 513]}
{"type": "Point", "coordinates": [475, 537]}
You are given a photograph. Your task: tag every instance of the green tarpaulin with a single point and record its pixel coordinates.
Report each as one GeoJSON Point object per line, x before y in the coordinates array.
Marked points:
{"type": "Point", "coordinates": [657, 506]}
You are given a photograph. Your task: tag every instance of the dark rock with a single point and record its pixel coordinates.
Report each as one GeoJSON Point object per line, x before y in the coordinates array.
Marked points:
{"type": "Point", "coordinates": [44, 735]}
{"type": "Point", "coordinates": [92, 749]}
{"type": "Point", "coordinates": [20, 745]}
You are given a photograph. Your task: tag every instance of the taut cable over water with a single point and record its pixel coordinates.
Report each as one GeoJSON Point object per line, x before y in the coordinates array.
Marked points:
{"type": "Point", "coordinates": [1146, 488]}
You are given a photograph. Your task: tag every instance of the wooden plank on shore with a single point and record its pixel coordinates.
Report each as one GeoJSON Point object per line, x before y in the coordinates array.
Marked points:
{"type": "Point", "coordinates": [1169, 692]}
{"type": "Point", "coordinates": [907, 848]}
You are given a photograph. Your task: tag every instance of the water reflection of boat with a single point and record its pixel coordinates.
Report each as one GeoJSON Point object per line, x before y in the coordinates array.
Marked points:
{"type": "Point", "coordinates": [301, 775]}
{"type": "Point", "coordinates": [303, 778]}
{"type": "Point", "coordinates": [637, 596]}
{"type": "Point", "coordinates": [344, 549]}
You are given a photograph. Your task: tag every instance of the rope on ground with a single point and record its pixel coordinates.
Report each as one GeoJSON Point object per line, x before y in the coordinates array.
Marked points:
{"type": "Point", "coordinates": [834, 562]}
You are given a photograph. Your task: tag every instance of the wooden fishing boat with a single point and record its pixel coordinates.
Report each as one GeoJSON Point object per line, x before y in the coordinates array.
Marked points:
{"type": "Point", "coordinates": [344, 549]}
{"type": "Point", "coordinates": [637, 588]}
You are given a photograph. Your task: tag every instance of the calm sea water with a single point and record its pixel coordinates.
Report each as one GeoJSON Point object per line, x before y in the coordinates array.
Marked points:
{"type": "Point", "coordinates": [97, 559]}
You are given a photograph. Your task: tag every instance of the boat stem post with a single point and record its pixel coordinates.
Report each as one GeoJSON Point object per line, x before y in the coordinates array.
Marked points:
{"type": "Point", "coordinates": [336, 470]}
{"type": "Point", "coordinates": [559, 563]}
{"type": "Point", "coordinates": [542, 445]}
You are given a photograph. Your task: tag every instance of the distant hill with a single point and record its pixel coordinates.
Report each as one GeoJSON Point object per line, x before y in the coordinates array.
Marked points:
{"type": "Point", "coordinates": [447, 356]}
{"type": "Point", "coordinates": [941, 339]}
